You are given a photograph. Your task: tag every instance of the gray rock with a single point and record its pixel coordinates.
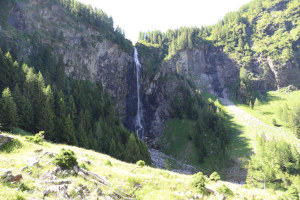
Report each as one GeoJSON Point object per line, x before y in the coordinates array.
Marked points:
{"type": "Point", "coordinates": [46, 193]}
{"type": "Point", "coordinates": [4, 139]}
{"type": "Point", "coordinates": [24, 168]}
{"type": "Point", "coordinates": [32, 161]}
{"type": "Point", "coordinates": [85, 160]}
{"type": "Point", "coordinates": [6, 175]}
{"type": "Point", "coordinates": [48, 175]}
{"type": "Point", "coordinates": [38, 150]}
{"type": "Point", "coordinates": [50, 154]}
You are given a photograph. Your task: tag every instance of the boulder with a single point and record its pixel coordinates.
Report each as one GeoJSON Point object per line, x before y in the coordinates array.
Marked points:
{"type": "Point", "coordinates": [38, 150]}
{"type": "Point", "coordinates": [16, 178]}
{"type": "Point", "coordinates": [32, 161]}
{"type": "Point", "coordinates": [5, 175]}
{"type": "Point", "coordinates": [48, 175]}
{"type": "Point", "coordinates": [4, 139]}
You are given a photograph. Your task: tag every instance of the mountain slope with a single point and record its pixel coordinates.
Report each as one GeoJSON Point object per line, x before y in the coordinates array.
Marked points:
{"type": "Point", "coordinates": [140, 183]}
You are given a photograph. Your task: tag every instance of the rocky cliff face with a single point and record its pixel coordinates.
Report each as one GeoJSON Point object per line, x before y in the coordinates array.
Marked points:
{"type": "Point", "coordinates": [86, 53]}
{"type": "Point", "coordinates": [207, 66]}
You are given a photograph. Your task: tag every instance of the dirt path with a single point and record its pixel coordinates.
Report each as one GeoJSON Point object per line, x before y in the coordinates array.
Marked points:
{"type": "Point", "coordinates": [249, 128]}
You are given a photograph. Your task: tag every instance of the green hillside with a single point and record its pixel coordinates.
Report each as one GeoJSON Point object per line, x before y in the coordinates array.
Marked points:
{"type": "Point", "coordinates": [138, 182]}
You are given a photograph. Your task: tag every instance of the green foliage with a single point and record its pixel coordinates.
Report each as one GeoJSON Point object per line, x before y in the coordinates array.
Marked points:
{"type": "Point", "coordinates": [223, 189]}
{"type": "Point", "coordinates": [209, 134]}
{"type": "Point", "coordinates": [199, 182]}
{"type": "Point", "coordinates": [108, 163]}
{"type": "Point", "coordinates": [11, 146]}
{"type": "Point", "coordinates": [274, 165]}
{"type": "Point", "coordinates": [214, 177]}
{"type": "Point", "coordinates": [99, 20]}
{"type": "Point", "coordinates": [256, 103]}
{"type": "Point", "coordinates": [167, 164]}
{"type": "Point", "coordinates": [292, 193]}
{"type": "Point", "coordinates": [8, 111]}
{"type": "Point", "coordinates": [38, 138]}
{"type": "Point", "coordinates": [140, 163]}
{"type": "Point", "coordinates": [66, 159]}
{"type": "Point", "coordinates": [175, 40]}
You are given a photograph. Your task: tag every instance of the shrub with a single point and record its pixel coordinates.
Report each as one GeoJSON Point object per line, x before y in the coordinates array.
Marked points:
{"type": "Point", "coordinates": [223, 189]}
{"type": "Point", "coordinates": [274, 122]}
{"type": "Point", "coordinates": [66, 159]}
{"type": "Point", "coordinates": [108, 163]}
{"type": "Point", "coordinates": [140, 163]}
{"type": "Point", "coordinates": [214, 177]}
{"type": "Point", "coordinates": [38, 138]}
{"type": "Point", "coordinates": [199, 182]}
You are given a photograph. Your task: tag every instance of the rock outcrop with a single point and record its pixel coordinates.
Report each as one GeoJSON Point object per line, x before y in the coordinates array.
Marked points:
{"type": "Point", "coordinates": [4, 139]}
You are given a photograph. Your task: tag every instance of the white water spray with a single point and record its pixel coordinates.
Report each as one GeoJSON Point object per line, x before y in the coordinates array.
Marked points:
{"type": "Point", "coordinates": [139, 129]}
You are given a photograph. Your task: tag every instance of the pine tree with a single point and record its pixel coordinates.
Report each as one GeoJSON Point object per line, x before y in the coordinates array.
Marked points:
{"type": "Point", "coordinates": [72, 108]}
{"type": "Point", "coordinates": [167, 164]}
{"type": "Point", "coordinates": [8, 111]}
{"type": "Point", "coordinates": [132, 150]}
{"type": "Point", "coordinates": [256, 103]}
{"type": "Point", "coordinates": [250, 104]}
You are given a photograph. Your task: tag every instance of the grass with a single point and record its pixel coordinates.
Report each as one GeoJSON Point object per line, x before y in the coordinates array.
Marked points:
{"type": "Point", "coordinates": [143, 183]}
{"type": "Point", "coordinates": [269, 103]}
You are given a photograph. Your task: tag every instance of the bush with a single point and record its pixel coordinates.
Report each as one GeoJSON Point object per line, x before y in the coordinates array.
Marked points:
{"type": "Point", "coordinates": [38, 138]}
{"type": "Point", "coordinates": [214, 177]}
{"type": "Point", "coordinates": [199, 182]}
{"type": "Point", "coordinates": [108, 163]}
{"type": "Point", "coordinates": [66, 159]}
{"type": "Point", "coordinates": [223, 189]}
{"type": "Point", "coordinates": [140, 163]}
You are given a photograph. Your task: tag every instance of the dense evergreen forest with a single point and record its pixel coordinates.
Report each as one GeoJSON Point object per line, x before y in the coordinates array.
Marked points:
{"type": "Point", "coordinates": [69, 111]}
{"type": "Point", "coordinates": [211, 135]}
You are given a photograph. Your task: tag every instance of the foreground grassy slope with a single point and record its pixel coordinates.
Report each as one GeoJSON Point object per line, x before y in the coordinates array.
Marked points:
{"type": "Point", "coordinates": [142, 183]}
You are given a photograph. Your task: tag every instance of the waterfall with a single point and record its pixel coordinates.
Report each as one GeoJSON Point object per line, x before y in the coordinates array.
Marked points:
{"type": "Point", "coordinates": [138, 123]}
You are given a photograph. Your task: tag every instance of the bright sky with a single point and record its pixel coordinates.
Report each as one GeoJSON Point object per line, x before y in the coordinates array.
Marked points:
{"type": "Point", "coordinates": [143, 15]}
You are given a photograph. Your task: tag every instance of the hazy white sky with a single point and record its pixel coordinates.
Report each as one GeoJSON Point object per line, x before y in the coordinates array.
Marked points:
{"type": "Point", "coordinates": [143, 15]}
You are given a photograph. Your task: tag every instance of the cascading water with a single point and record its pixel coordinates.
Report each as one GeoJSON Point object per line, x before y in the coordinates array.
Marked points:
{"type": "Point", "coordinates": [138, 123]}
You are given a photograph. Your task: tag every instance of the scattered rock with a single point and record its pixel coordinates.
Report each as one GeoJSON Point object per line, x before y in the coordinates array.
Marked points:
{"type": "Point", "coordinates": [82, 190]}
{"type": "Point", "coordinates": [38, 150]}
{"type": "Point", "coordinates": [57, 182]}
{"type": "Point", "coordinates": [16, 178]}
{"type": "Point", "coordinates": [6, 175]}
{"type": "Point", "coordinates": [138, 186]}
{"type": "Point", "coordinates": [58, 189]}
{"type": "Point", "coordinates": [85, 160]}
{"type": "Point", "coordinates": [32, 161]}
{"type": "Point", "coordinates": [50, 154]}
{"type": "Point", "coordinates": [57, 170]}
{"type": "Point", "coordinates": [99, 192]}
{"type": "Point", "coordinates": [24, 168]}
{"type": "Point", "coordinates": [46, 193]}
{"type": "Point", "coordinates": [48, 175]}
{"type": "Point", "coordinates": [108, 198]}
